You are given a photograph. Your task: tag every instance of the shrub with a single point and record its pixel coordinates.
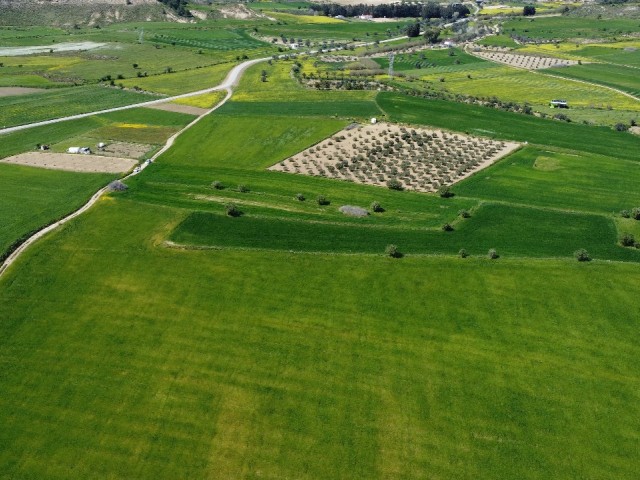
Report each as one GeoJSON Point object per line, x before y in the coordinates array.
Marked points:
{"type": "Point", "coordinates": [625, 214]}
{"type": "Point", "coordinates": [621, 127]}
{"type": "Point", "coordinates": [627, 240]}
{"type": "Point", "coordinates": [464, 213]}
{"type": "Point", "coordinates": [322, 200]}
{"type": "Point", "coordinates": [394, 184]}
{"type": "Point", "coordinates": [528, 10]}
{"type": "Point", "coordinates": [243, 189]}
{"type": "Point", "coordinates": [582, 255]}
{"type": "Point", "coordinates": [492, 254]}
{"type": "Point", "coordinates": [445, 192]}
{"type": "Point", "coordinates": [217, 185]}
{"type": "Point", "coordinates": [392, 251]}
{"type": "Point", "coordinates": [463, 253]}
{"type": "Point", "coordinates": [232, 210]}
{"type": "Point", "coordinates": [300, 197]}
{"type": "Point", "coordinates": [376, 207]}
{"type": "Point", "coordinates": [447, 227]}
{"type": "Point", "coordinates": [635, 213]}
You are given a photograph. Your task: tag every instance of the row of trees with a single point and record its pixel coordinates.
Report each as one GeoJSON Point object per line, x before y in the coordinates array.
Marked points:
{"type": "Point", "coordinates": [399, 10]}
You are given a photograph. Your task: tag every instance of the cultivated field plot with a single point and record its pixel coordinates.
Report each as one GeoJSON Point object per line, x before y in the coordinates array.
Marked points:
{"type": "Point", "coordinates": [73, 162]}
{"type": "Point", "coordinates": [421, 160]}
{"type": "Point", "coordinates": [530, 62]}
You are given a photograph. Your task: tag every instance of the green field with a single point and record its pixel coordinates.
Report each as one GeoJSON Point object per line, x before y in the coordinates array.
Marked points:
{"type": "Point", "coordinates": [430, 59]}
{"type": "Point", "coordinates": [156, 337]}
{"type": "Point", "coordinates": [35, 107]}
{"type": "Point", "coordinates": [493, 123]}
{"type": "Point", "coordinates": [621, 78]}
{"type": "Point", "coordinates": [182, 82]}
{"type": "Point", "coordinates": [34, 197]}
{"type": "Point", "coordinates": [571, 27]}
{"type": "Point", "coordinates": [203, 363]}
{"type": "Point", "coordinates": [515, 85]}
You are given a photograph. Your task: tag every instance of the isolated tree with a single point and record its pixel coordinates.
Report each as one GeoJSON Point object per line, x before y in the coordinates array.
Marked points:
{"type": "Point", "coordinates": [463, 253]}
{"type": "Point", "coordinates": [232, 210]}
{"type": "Point", "coordinates": [322, 200]}
{"type": "Point", "coordinates": [300, 197]}
{"type": "Point", "coordinates": [413, 30]}
{"type": "Point", "coordinates": [395, 184]}
{"type": "Point", "coordinates": [376, 207]}
{"type": "Point", "coordinates": [492, 254]}
{"type": "Point", "coordinates": [431, 35]}
{"type": "Point", "coordinates": [263, 76]}
{"type": "Point", "coordinates": [582, 255]}
{"type": "Point", "coordinates": [529, 10]}
{"type": "Point", "coordinates": [627, 240]}
{"type": "Point", "coordinates": [392, 251]}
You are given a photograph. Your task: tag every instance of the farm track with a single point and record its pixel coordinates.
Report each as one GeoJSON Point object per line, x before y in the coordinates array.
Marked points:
{"type": "Point", "coordinates": [230, 81]}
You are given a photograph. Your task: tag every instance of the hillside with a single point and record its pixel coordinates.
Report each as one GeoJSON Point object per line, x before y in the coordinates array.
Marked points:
{"type": "Point", "coordinates": [67, 13]}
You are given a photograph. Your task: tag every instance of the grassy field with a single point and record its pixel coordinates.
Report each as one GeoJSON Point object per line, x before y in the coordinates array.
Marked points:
{"type": "Point", "coordinates": [182, 82]}
{"type": "Point", "coordinates": [206, 100]}
{"type": "Point", "coordinates": [285, 344]}
{"type": "Point", "coordinates": [498, 124]}
{"type": "Point", "coordinates": [615, 76]}
{"type": "Point", "coordinates": [172, 363]}
{"type": "Point", "coordinates": [430, 59]}
{"type": "Point", "coordinates": [570, 27]}
{"type": "Point", "coordinates": [35, 107]}
{"type": "Point", "coordinates": [33, 197]}
{"type": "Point", "coordinates": [499, 41]}
{"type": "Point", "coordinates": [538, 176]}
{"type": "Point", "coordinates": [521, 86]}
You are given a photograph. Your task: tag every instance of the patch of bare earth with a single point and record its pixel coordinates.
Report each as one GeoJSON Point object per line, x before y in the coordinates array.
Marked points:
{"type": "Point", "coordinates": [125, 150]}
{"type": "Point", "coordinates": [420, 159]}
{"type": "Point", "coordinates": [73, 162]}
{"type": "Point", "coordinates": [530, 62]}
{"type": "Point", "coordinates": [12, 91]}
{"type": "Point", "coordinates": [175, 107]}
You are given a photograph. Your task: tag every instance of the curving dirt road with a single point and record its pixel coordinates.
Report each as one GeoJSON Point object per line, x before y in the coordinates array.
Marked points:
{"type": "Point", "coordinates": [230, 81]}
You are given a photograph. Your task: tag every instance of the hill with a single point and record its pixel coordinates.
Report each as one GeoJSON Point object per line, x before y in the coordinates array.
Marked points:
{"type": "Point", "coordinates": [69, 13]}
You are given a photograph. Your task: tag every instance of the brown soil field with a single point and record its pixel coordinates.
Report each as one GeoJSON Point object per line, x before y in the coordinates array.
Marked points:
{"type": "Point", "coordinates": [73, 162]}
{"type": "Point", "coordinates": [174, 107]}
{"type": "Point", "coordinates": [125, 150]}
{"type": "Point", "coordinates": [421, 159]}
{"type": "Point", "coordinates": [11, 91]}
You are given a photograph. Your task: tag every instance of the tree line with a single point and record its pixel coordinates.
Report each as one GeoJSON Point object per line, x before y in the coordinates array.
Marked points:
{"type": "Point", "coordinates": [399, 10]}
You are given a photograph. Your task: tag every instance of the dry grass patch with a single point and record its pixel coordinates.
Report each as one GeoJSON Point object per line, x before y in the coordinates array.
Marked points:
{"type": "Point", "coordinates": [530, 62]}
{"type": "Point", "coordinates": [12, 91]}
{"type": "Point", "coordinates": [178, 108]}
{"type": "Point", "coordinates": [420, 159]}
{"type": "Point", "coordinates": [73, 162]}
